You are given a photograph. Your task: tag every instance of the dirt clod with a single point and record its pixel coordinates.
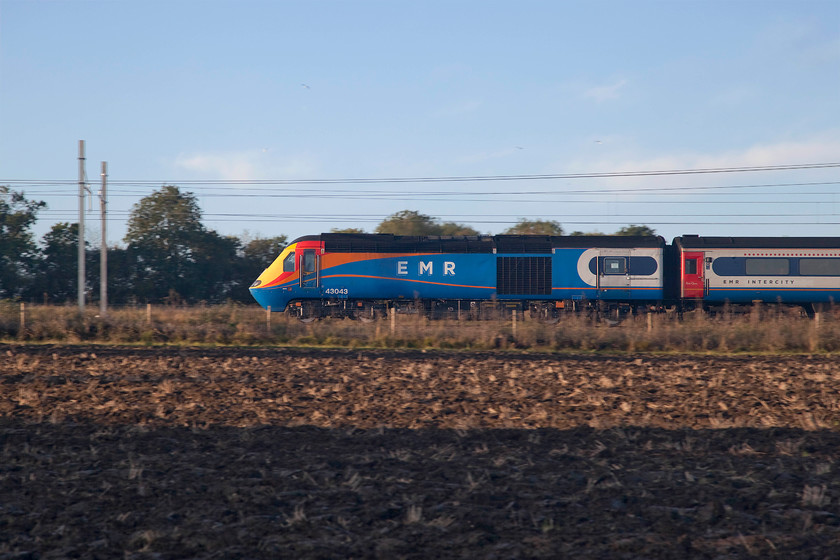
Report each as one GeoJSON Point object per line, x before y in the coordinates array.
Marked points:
{"type": "Point", "coordinates": [270, 453]}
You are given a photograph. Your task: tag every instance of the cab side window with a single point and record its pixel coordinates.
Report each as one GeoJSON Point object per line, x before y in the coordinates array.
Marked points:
{"type": "Point", "coordinates": [289, 263]}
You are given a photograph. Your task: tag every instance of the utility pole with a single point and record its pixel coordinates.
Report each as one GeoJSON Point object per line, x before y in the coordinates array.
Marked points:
{"type": "Point", "coordinates": [103, 251]}
{"type": "Point", "coordinates": [81, 258]}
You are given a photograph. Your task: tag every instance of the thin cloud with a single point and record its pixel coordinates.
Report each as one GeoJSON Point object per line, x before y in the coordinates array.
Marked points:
{"type": "Point", "coordinates": [606, 92]}
{"type": "Point", "coordinates": [804, 41]}
{"type": "Point", "coordinates": [229, 166]}
{"type": "Point", "coordinates": [823, 148]}
{"type": "Point", "coordinates": [734, 96]}
{"type": "Point", "coordinates": [244, 165]}
{"type": "Point", "coordinates": [483, 157]}
{"type": "Point", "coordinates": [458, 109]}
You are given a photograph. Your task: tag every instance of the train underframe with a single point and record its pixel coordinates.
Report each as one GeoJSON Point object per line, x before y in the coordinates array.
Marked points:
{"type": "Point", "coordinates": [546, 311]}
{"type": "Point", "coordinates": [758, 307]}
{"type": "Point", "coordinates": [552, 311]}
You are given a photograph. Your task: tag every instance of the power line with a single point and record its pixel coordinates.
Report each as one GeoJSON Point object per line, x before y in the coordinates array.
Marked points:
{"type": "Point", "coordinates": [448, 179]}
{"type": "Point", "coordinates": [616, 197]}
{"type": "Point", "coordinates": [221, 216]}
{"type": "Point", "coordinates": [561, 201]}
{"type": "Point", "coordinates": [402, 195]}
{"type": "Point", "coordinates": [477, 178]}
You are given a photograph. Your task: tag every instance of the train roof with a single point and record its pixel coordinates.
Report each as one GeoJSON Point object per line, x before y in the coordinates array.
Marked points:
{"type": "Point", "coordinates": [698, 242]}
{"type": "Point", "coordinates": [389, 243]}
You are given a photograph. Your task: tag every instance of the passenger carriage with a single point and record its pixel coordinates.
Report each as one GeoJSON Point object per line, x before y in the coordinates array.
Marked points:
{"type": "Point", "coordinates": [744, 270]}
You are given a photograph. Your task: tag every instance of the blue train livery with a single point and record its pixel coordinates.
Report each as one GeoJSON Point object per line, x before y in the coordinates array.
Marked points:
{"type": "Point", "coordinates": [359, 274]}
{"type": "Point", "coordinates": [362, 275]}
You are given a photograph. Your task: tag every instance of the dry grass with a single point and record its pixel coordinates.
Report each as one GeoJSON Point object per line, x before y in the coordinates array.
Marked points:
{"type": "Point", "coordinates": [764, 330]}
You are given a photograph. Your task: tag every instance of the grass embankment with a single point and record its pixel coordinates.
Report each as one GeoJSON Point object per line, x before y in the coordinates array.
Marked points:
{"type": "Point", "coordinates": [765, 330]}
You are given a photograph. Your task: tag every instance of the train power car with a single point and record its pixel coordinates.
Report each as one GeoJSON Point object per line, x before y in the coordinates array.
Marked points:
{"type": "Point", "coordinates": [362, 275]}
{"type": "Point", "coordinates": [713, 271]}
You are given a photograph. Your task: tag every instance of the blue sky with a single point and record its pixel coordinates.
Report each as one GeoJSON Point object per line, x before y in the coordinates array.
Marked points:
{"type": "Point", "coordinates": [185, 92]}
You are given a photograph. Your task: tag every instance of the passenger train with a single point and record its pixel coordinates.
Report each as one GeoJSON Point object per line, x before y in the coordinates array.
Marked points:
{"type": "Point", "coordinates": [363, 276]}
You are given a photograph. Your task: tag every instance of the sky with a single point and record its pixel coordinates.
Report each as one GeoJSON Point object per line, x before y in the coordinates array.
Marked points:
{"type": "Point", "coordinates": [296, 117]}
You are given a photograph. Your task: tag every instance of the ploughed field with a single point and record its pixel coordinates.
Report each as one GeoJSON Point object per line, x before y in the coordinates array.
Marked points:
{"type": "Point", "coordinates": [276, 453]}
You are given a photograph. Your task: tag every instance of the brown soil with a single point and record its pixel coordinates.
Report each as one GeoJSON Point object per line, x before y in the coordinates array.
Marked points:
{"type": "Point", "coordinates": [255, 453]}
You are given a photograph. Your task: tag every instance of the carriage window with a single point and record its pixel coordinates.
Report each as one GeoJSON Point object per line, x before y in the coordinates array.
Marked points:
{"type": "Point", "coordinates": [289, 263]}
{"type": "Point", "coordinates": [615, 265]}
{"type": "Point", "coordinates": [819, 267]}
{"type": "Point", "coordinates": [642, 266]}
{"type": "Point", "coordinates": [691, 266]}
{"type": "Point", "coordinates": [767, 267]}
{"type": "Point", "coordinates": [636, 266]}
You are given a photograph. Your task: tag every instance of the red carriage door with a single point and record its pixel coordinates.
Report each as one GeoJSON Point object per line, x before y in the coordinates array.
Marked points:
{"type": "Point", "coordinates": [693, 284]}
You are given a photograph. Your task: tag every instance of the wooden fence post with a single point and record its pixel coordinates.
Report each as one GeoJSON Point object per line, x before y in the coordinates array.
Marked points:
{"type": "Point", "coordinates": [393, 320]}
{"type": "Point", "coordinates": [149, 313]}
{"type": "Point", "coordinates": [22, 317]}
{"type": "Point", "coordinates": [815, 335]}
{"type": "Point", "coordinates": [513, 322]}
{"type": "Point", "coordinates": [268, 319]}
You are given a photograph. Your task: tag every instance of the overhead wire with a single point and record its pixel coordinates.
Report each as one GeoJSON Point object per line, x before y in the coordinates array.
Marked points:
{"type": "Point", "coordinates": [401, 195]}
{"type": "Point", "coordinates": [287, 189]}
{"type": "Point", "coordinates": [451, 178]}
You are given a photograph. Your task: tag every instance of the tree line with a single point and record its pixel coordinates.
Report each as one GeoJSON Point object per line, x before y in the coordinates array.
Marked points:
{"type": "Point", "coordinates": [168, 255]}
{"type": "Point", "coordinates": [410, 222]}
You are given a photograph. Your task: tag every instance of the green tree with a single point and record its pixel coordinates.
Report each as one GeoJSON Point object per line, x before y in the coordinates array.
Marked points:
{"type": "Point", "coordinates": [256, 254]}
{"type": "Point", "coordinates": [347, 230]}
{"type": "Point", "coordinates": [56, 277]}
{"type": "Point", "coordinates": [18, 251]}
{"type": "Point", "coordinates": [163, 229]}
{"type": "Point", "coordinates": [451, 228]}
{"type": "Point", "coordinates": [175, 257]}
{"type": "Point", "coordinates": [535, 227]}
{"type": "Point", "coordinates": [635, 230]}
{"type": "Point", "coordinates": [217, 274]}
{"type": "Point", "coordinates": [410, 222]}
{"type": "Point", "coordinates": [121, 276]}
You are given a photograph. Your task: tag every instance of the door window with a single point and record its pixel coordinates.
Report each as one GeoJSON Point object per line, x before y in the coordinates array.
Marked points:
{"type": "Point", "coordinates": [309, 261]}
{"type": "Point", "coordinates": [691, 266]}
{"type": "Point", "coordinates": [615, 265]}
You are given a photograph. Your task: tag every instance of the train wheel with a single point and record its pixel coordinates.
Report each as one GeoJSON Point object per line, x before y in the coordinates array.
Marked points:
{"type": "Point", "coordinates": [309, 312]}
{"type": "Point", "coordinates": [546, 314]}
{"type": "Point", "coordinates": [365, 314]}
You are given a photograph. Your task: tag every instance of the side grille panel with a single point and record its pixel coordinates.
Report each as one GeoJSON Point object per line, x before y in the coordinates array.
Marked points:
{"type": "Point", "coordinates": [529, 276]}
